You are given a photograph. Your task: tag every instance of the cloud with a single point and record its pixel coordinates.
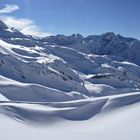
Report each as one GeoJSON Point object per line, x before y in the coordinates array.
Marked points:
{"type": "Point", "coordinates": [9, 8]}
{"type": "Point", "coordinates": [24, 25]}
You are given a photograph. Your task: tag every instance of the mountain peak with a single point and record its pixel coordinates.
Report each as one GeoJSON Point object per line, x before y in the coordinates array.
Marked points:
{"type": "Point", "coordinates": [6, 32]}
{"type": "Point", "coordinates": [108, 35]}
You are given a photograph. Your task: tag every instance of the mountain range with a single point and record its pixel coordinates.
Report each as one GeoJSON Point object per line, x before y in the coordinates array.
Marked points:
{"type": "Point", "coordinates": [68, 78]}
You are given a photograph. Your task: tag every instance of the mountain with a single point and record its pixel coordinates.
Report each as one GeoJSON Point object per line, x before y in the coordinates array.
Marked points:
{"type": "Point", "coordinates": [68, 78]}
{"type": "Point", "coordinates": [6, 32]}
{"type": "Point", "coordinates": [105, 44]}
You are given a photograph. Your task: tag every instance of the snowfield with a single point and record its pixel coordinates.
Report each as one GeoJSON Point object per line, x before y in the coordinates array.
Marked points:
{"type": "Point", "coordinates": [122, 124]}
{"type": "Point", "coordinates": [69, 87]}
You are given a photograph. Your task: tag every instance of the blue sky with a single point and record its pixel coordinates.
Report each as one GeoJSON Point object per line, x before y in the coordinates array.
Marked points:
{"type": "Point", "coordinates": [73, 16]}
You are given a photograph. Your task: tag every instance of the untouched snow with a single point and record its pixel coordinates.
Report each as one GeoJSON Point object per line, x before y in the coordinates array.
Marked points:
{"type": "Point", "coordinates": [122, 124]}
{"type": "Point", "coordinates": [44, 112]}
{"type": "Point", "coordinates": [69, 87]}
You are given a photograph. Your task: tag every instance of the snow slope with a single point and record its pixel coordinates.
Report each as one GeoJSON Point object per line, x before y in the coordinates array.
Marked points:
{"type": "Point", "coordinates": [72, 86]}
{"type": "Point", "coordinates": [122, 124]}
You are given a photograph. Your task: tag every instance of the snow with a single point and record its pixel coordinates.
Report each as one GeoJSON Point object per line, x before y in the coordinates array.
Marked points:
{"type": "Point", "coordinates": [17, 91]}
{"type": "Point", "coordinates": [120, 124]}
{"type": "Point", "coordinates": [2, 98]}
{"type": "Point", "coordinates": [69, 87]}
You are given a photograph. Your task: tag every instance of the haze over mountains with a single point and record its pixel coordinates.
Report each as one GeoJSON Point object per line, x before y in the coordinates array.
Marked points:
{"type": "Point", "coordinates": [68, 78]}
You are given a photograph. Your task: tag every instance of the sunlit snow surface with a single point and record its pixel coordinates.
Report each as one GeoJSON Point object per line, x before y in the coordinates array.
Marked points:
{"type": "Point", "coordinates": [122, 124]}
{"type": "Point", "coordinates": [69, 88]}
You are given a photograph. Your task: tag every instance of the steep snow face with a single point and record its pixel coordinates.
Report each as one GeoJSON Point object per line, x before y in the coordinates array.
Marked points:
{"type": "Point", "coordinates": [26, 64]}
